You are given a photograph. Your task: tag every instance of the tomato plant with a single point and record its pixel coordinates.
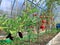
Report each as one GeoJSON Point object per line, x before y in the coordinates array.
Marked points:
{"type": "Point", "coordinates": [23, 23]}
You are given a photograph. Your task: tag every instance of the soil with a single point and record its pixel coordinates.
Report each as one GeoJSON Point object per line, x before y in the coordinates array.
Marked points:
{"type": "Point", "coordinates": [40, 40]}
{"type": "Point", "coordinates": [43, 39]}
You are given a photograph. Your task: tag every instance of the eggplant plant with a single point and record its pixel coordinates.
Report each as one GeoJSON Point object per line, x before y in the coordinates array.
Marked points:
{"type": "Point", "coordinates": [20, 23]}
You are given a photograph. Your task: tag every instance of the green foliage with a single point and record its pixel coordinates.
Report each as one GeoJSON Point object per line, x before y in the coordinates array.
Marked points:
{"type": "Point", "coordinates": [18, 23]}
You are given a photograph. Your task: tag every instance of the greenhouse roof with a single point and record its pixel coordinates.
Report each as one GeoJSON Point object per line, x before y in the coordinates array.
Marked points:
{"type": "Point", "coordinates": [6, 4]}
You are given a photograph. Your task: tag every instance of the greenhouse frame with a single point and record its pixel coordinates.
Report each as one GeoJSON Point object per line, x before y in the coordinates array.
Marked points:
{"type": "Point", "coordinates": [29, 22]}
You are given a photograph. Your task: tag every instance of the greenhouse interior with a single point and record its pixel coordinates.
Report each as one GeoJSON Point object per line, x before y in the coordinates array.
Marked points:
{"type": "Point", "coordinates": [29, 22]}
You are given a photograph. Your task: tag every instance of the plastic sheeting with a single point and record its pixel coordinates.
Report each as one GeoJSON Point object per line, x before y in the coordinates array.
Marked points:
{"type": "Point", "coordinates": [6, 5]}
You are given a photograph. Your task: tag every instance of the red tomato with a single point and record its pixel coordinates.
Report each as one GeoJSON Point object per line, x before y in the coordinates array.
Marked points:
{"type": "Point", "coordinates": [41, 16]}
{"type": "Point", "coordinates": [42, 26]}
{"type": "Point", "coordinates": [43, 21]}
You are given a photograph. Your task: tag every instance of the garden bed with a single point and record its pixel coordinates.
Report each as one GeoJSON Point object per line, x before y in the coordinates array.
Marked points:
{"type": "Point", "coordinates": [25, 23]}
{"type": "Point", "coordinates": [43, 39]}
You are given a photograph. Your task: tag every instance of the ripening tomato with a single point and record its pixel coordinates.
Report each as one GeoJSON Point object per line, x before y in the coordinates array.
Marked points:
{"type": "Point", "coordinates": [34, 14]}
{"type": "Point", "coordinates": [41, 16]}
{"type": "Point", "coordinates": [43, 21]}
